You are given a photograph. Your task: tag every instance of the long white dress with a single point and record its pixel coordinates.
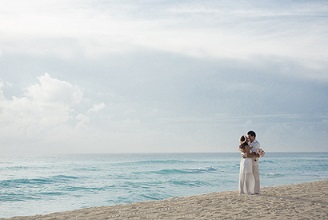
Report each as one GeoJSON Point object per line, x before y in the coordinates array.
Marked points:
{"type": "Point", "coordinates": [246, 177]}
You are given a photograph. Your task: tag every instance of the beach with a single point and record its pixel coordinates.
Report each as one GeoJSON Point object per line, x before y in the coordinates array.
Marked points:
{"type": "Point", "coordinates": [297, 201]}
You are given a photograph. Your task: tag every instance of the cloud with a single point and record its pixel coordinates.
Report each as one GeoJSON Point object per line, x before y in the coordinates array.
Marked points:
{"type": "Point", "coordinates": [47, 117]}
{"type": "Point", "coordinates": [43, 106]}
{"type": "Point", "coordinates": [97, 107]}
{"type": "Point", "coordinates": [164, 76]}
{"type": "Point", "coordinates": [50, 90]}
{"type": "Point", "coordinates": [84, 119]}
{"type": "Point", "coordinates": [207, 30]}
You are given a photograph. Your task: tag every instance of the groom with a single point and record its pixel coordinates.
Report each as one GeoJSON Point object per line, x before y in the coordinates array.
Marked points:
{"type": "Point", "coordinates": [254, 144]}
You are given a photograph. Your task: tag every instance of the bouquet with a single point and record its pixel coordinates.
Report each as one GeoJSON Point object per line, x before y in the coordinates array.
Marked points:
{"type": "Point", "coordinates": [260, 152]}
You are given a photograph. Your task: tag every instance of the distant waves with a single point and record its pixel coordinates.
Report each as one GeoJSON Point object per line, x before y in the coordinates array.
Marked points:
{"type": "Point", "coordinates": [49, 184]}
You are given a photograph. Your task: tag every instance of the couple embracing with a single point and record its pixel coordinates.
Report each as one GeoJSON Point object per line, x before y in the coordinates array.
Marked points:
{"type": "Point", "coordinates": [249, 176]}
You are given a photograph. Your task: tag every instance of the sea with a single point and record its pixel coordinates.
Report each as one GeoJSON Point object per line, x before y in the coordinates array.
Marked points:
{"type": "Point", "coordinates": [45, 184]}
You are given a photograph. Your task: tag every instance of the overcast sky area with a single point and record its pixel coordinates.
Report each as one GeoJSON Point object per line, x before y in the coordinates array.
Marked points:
{"type": "Point", "coordinates": [135, 76]}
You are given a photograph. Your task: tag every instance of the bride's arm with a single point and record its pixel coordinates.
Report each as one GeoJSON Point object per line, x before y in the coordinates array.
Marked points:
{"type": "Point", "coordinates": [250, 154]}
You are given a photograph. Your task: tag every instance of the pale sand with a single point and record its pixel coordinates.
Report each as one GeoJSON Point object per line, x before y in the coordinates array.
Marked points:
{"type": "Point", "coordinates": [299, 201]}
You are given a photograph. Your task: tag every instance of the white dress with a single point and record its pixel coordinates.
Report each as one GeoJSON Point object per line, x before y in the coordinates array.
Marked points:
{"type": "Point", "coordinates": [246, 177]}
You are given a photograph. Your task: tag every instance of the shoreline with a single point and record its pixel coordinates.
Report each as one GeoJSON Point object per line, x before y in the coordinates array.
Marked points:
{"type": "Point", "coordinates": [306, 200]}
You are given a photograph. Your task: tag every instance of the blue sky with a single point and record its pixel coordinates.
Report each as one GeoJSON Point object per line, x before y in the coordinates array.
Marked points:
{"type": "Point", "coordinates": [162, 76]}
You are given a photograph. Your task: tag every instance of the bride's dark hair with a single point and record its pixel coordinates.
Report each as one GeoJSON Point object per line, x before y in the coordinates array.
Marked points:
{"type": "Point", "coordinates": [243, 142]}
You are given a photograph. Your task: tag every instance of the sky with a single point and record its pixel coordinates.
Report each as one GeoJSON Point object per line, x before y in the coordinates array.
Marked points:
{"type": "Point", "coordinates": [141, 76]}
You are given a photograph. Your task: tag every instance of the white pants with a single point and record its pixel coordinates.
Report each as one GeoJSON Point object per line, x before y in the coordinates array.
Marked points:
{"type": "Point", "coordinates": [246, 177]}
{"type": "Point", "coordinates": [256, 173]}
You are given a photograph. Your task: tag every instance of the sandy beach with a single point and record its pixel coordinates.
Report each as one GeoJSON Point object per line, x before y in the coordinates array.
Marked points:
{"type": "Point", "coordinates": [298, 201]}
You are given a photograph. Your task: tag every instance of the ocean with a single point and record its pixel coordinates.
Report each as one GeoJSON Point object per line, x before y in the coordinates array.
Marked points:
{"type": "Point", "coordinates": [40, 185]}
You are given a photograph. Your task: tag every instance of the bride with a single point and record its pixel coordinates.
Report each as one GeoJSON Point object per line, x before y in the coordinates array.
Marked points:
{"type": "Point", "coordinates": [246, 177]}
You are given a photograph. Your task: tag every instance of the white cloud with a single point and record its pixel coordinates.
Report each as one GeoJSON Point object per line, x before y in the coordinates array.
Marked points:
{"type": "Point", "coordinates": [97, 107]}
{"type": "Point", "coordinates": [207, 29]}
{"type": "Point", "coordinates": [195, 63]}
{"type": "Point", "coordinates": [82, 120]}
{"type": "Point", "coordinates": [3, 85]}
{"type": "Point", "coordinates": [43, 106]}
{"type": "Point", "coordinates": [46, 118]}
{"type": "Point", "coordinates": [50, 90]}
{"type": "Point", "coordinates": [1, 92]}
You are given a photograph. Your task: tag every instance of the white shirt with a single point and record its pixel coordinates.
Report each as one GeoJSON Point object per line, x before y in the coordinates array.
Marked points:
{"type": "Point", "coordinates": [254, 145]}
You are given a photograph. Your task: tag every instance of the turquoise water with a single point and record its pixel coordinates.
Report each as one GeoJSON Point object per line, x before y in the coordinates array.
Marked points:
{"type": "Point", "coordinates": [39, 185]}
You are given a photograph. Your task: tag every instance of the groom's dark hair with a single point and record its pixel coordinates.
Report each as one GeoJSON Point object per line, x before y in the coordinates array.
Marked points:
{"type": "Point", "coordinates": [251, 133]}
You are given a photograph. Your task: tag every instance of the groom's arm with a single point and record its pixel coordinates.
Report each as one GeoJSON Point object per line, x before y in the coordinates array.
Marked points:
{"type": "Point", "coordinates": [248, 153]}
{"type": "Point", "coordinates": [251, 155]}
